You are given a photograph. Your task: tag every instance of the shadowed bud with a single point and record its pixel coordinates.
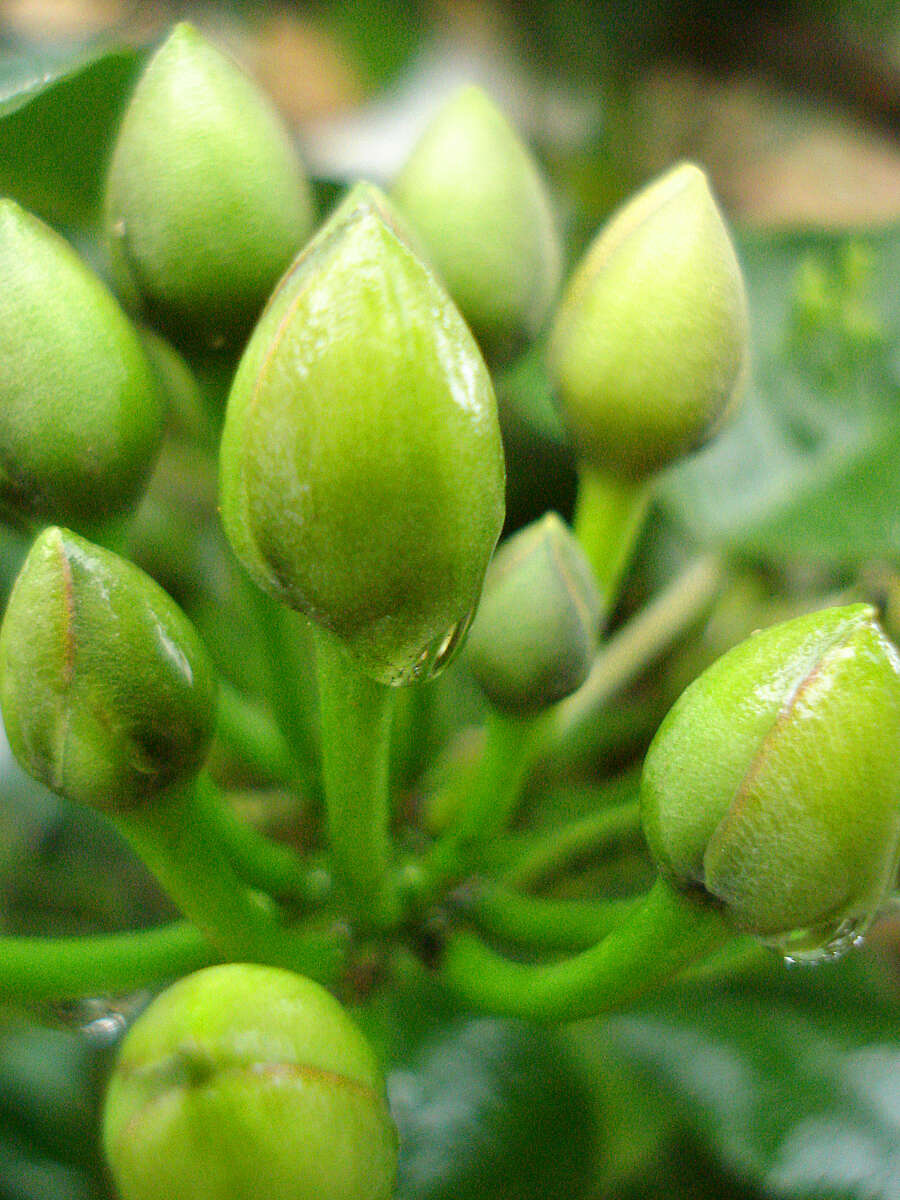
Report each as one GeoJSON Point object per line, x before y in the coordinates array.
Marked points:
{"type": "Point", "coordinates": [245, 1081]}
{"type": "Point", "coordinates": [774, 782]}
{"type": "Point", "coordinates": [476, 196]}
{"type": "Point", "coordinates": [107, 694]}
{"type": "Point", "coordinates": [207, 201]}
{"type": "Point", "coordinates": [361, 466]}
{"type": "Point", "coordinates": [649, 346]}
{"type": "Point", "coordinates": [81, 417]}
{"type": "Point", "coordinates": [534, 638]}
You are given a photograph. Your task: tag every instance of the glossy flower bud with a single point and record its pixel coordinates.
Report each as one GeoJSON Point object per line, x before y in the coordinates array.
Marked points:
{"type": "Point", "coordinates": [361, 465]}
{"type": "Point", "coordinates": [81, 417]}
{"type": "Point", "coordinates": [649, 345]}
{"type": "Point", "coordinates": [106, 690]}
{"type": "Point", "coordinates": [242, 1082]}
{"type": "Point", "coordinates": [476, 196]}
{"type": "Point", "coordinates": [774, 783]}
{"type": "Point", "coordinates": [207, 201]}
{"type": "Point", "coordinates": [534, 638]}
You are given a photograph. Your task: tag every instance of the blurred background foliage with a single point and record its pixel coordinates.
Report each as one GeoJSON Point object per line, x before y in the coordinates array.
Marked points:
{"type": "Point", "coordinates": [773, 1083]}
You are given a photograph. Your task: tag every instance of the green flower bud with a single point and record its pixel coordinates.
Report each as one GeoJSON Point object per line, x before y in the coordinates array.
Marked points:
{"type": "Point", "coordinates": [81, 417]}
{"type": "Point", "coordinates": [774, 782]}
{"type": "Point", "coordinates": [361, 465]}
{"type": "Point", "coordinates": [534, 638]}
{"type": "Point", "coordinates": [242, 1082]}
{"type": "Point", "coordinates": [106, 690]}
{"type": "Point", "coordinates": [649, 346]}
{"type": "Point", "coordinates": [475, 194]}
{"type": "Point", "coordinates": [207, 201]}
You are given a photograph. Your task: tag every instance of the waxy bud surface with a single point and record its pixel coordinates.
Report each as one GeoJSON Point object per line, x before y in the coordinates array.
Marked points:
{"type": "Point", "coordinates": [476, 196]}
{"type": "Point", "coordinates": [106, 690]}
{"type": "Point", "coordinates": [774, 782]}
{"type": "Point", "coordinates": [649, 346]}
{"type": "Point", "coordinates": [242, 1082]}
{"type": "Point", "coordinates": [362, 475]}
{"type": "Point", "coordinates": [534, 638]}
{"type": "Point", "coordinates": [207, 201]}
{"type": "Point", "coordinates": [81, 416]}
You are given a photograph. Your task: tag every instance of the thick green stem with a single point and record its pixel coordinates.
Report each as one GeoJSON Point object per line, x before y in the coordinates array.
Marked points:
{"type": "Point", "coordinates": [666, 933]}
{"type": "Point", "coordinates": [558, 848]}
{"type": "Point", "coordinates": [356, 723]}
{"type": "Point", "coordinates": [36, 968]}
{"type": "Point", "coordinates": [180, 845]}
{"type": "Point", "coordinates": [541, 924]}
{"type": "Point", "coordinates": [609, 516]}
{"type": "Point", "coordinates": [252, 735]}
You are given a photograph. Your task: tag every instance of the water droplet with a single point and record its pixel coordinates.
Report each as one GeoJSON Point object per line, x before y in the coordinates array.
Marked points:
{"type": "Point", "coordinates": [825, 943]}
{"type": "Point", "coordinates": [437, 655]}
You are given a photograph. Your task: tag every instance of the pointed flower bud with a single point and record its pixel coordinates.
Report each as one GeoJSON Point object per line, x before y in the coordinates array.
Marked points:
{"type": "Point", "coordinates": [242, 1081]}
{"type": "Point", "coordinates": [361, 465]}
{"type": "Point", "coordinates": [81, 417]}
{"type": "Point", "coordinates": [207, 201]}
{"type": "Point", "coordinates": [774, 782]}
{"type": "Point", "coordinates": [476, 196]}
{"type": "Point", "coordinates": [649, 345]}
{"type": "Point", "coordinates": [534, 638]}
{"type": "Point", "coordinates": [106, 690]}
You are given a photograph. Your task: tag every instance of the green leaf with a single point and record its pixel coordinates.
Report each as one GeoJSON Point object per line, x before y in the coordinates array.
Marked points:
{"type": "Point", "coordinates": [808, 468]}
{"type": "Point", "coordinates": [57, 119]}
{"type": "Point", "coordinates": [792, 1085]}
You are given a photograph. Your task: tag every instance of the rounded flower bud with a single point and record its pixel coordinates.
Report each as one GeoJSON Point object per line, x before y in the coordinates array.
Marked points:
{"type": "Point", "coordinates": [534, 638]}
{"type": "Point", "coordinates": [81, 417]}
{"type": "Point", "coordinates": [242, 1082]}
{"type": "Point", "coordinates": [774, 782]}
{"type": "Point", "coordinates": [649, 345]}
{"type": "Point", "coordinates": [361, 466]}
{"type": "Point", "coordinates": [207, 201]}
{"type": "Point", "coordinates": [106, 690]}
{"type": "Point", "coordinates": [476, 196]}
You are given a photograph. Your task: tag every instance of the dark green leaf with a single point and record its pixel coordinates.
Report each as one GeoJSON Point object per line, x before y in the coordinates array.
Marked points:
{"type": "Point", "coordinates": [57, 121]}
{"type": "Point", "coordinates": [809, 466]}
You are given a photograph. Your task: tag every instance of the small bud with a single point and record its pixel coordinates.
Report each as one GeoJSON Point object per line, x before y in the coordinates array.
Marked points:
{"type": "Point", "coordinates": [241, 1082]}
{"type": "Point", "coordinates": [361, 466]}
{"type": "Point", "coordinates": [476, 196]}
{"type": "Point", "coordinates": [106, 690]}
{"type": "Point", "coordinates": [534, 638]}
{"type": "Point", "coordinates": [774, 782]}
{"type": "Point", "coordinates": [649, 346]}
{"type": "Point", "coordinates": [81, 417]}
{"type": "Point", "coordinates": [207, 201]}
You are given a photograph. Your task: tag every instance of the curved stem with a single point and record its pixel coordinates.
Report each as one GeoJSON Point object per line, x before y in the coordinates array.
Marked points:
{"type": "Point", "coordinates": [666, 933]}
{"type": "Point", "coordinates": [37, 968]}
{"type": "Point", "coordinates": [609, 516]}
{"type": "Point", "coordinates": [250, 733]}
{"type": "Point", "coordinates": [356, 722]}
{"type": "Point", "coordinates": [539, 923]}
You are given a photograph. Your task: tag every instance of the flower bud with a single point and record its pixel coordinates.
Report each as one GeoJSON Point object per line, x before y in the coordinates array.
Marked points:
{"type": "Point", "coordinates": [361, 465]}
{"type": "Point", "coordinates": [534, 638]}
{"type": "Point", "coordinates": [244, 1081]}
{"type": "Point", "coordinates": [475, 194]}
{"type": "Point", "coordinates": [81, 418]}
{"type": "Point", "coordinates": [207, 201]}
{"type": "Point", "coordinates": [774, 782]}
{"type": "Point", "coordinates": [649, 346]}
{"type": "Point", "coordinates": [106, 690]}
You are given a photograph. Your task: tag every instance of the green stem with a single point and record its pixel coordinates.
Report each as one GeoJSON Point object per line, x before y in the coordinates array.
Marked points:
{"type": "Point", "coordinates": [356, 722]}
{"type": "Point", "coordinates": [560, 847]}
{"type": "Point", "coordinates": [37, 968]}
{"type": "Point", "coordinates": [542, 924]}
{"type": "Point", "coordinates": [666, 933]}
{"type": "Point", "coordinates": [609, 516]}
{"type": "Point", "coordinates": [250, 733]}
{"type": "Point", "coordinates": [180, 845]}
{"type": "Point", "coordinates": [265, 865]}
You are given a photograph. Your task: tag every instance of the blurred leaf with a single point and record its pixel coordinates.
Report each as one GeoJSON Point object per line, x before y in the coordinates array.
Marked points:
{"type": "Point", "coordinates": [793, 1085]}
{"type": "Point", "coordinates": [809, 467]}
{"type": "Point", "coordinates": [57, 119]}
